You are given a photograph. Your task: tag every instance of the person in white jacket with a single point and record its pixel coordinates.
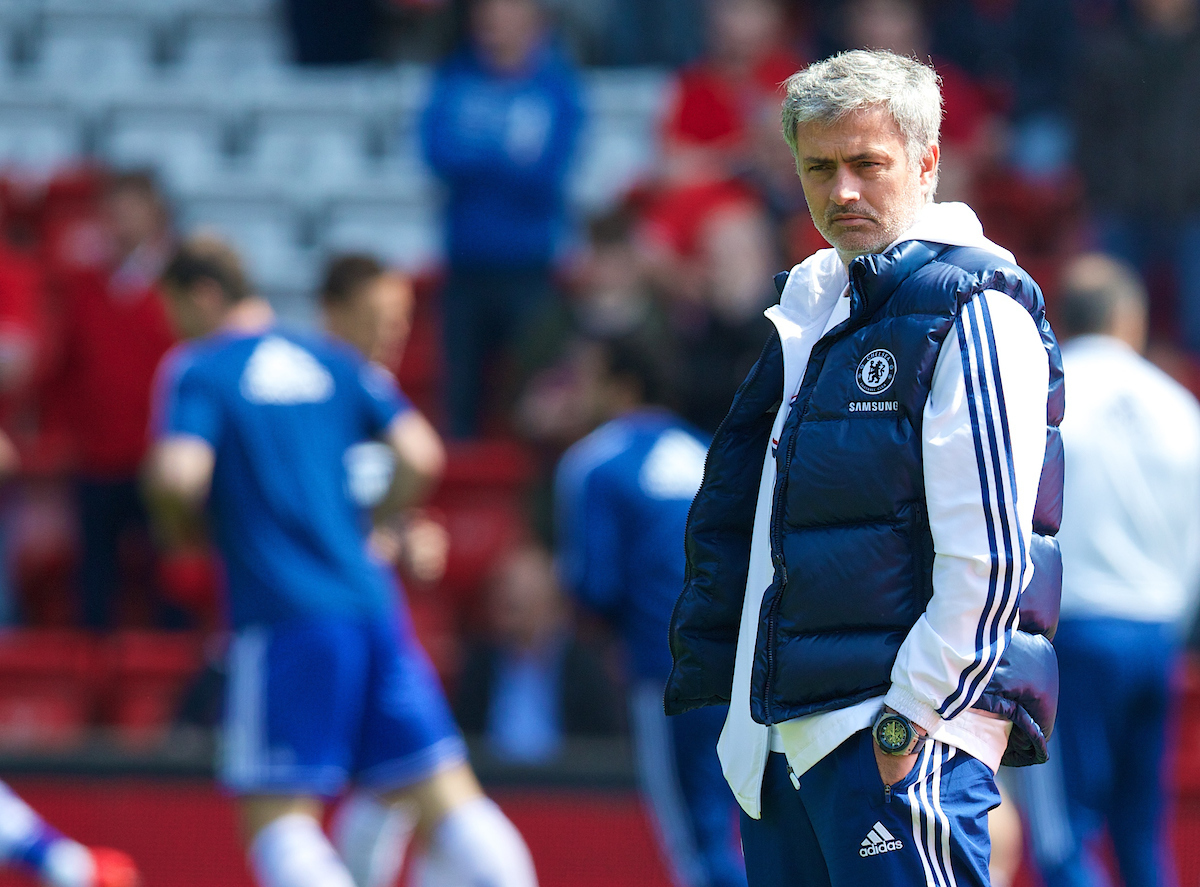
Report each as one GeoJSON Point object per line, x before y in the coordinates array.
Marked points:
{"type": "Point", "coordinates": [891, 560]}
{"type": "Point", "coordinates": [1130, 543]}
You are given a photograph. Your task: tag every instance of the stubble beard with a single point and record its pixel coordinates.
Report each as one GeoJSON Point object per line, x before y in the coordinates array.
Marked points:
{"type": "Point", "coordinates": [882, 234]}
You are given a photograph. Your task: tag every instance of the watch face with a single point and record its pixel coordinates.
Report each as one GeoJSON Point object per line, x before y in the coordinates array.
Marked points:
{"type": "Point", "coordinates": [892, 734]}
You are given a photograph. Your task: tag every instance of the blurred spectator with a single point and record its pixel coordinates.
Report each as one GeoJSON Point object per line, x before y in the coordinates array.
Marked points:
{"type": "Point", "coordinates": [720, 137]}
{"type": "Point", "coordinates": [655, 32]}
{"type": "Point", "coordinates": [115, 333]}
{"type": "Point", "coordinates": [1130, 543]}
{"type": "Point", "coordinates": [706, 222]}
{"type": "Point", "coordinates": [968, 123]}
{"type": "Point", "coordinates": [727, 103]}
{"type": "Point", "coordinates": [24, 349]}
{"type": "Point", "coordinates": [1135, 97]}
{"type": "Point", "coordinates": [622, 500]}
{"type": "Point", "coordinates": [1021, 52]}
{"type": "Point", "coordinates": [499, 130]}
{"type": "Point", "coordinates": [721, 336]}
{"type": "Point", "coordinates": [608, 295]}
{"type": "Point", "coordinates": [532, 684]}
{"type": "Point", "coordinates": [333, 32]}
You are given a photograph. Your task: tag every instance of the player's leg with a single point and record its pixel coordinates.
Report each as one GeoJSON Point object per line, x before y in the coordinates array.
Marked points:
{"type": "Point", "coordinates": [372, 837]}
{"type": "Point", "coordinates": [781, 846]}
{"type": "Point", "coordinates": [469, 841]}
{"type": "Point", "coordinates": [412, 753]}
{"type": "Point", "coordinates": [100, 530]}
{"type": "Point", "coordinates": [1137, 810]}
{"type": "Point", "coordinates": [464, 338]}
{"type": "Point", "coordinates": [286, 845]}
{"type": "Point", "coordinates": [930, 828]}
{"type": "Point", "coordinates": [1065, 798]}
{"type": "Point", "coordinates": [681, 783]}
{"type": "Point", "coordinates": [294, 701]}
{"type": "Point", "coordinates": [1004, 826]}
{"type": "Point", "coordinates": [28, 843]}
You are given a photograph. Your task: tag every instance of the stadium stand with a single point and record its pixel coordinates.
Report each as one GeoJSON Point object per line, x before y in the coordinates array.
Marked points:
{"type": "Point", "coordinates": [133, 83]}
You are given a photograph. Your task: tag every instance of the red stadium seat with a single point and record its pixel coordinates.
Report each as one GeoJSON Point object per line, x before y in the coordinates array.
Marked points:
{"type": "Point", "coordinates": [480, 503]}
{"type": "Point", "coordinates": [47, 687]}
{"type": "Point", "coordinates": [148, 672]}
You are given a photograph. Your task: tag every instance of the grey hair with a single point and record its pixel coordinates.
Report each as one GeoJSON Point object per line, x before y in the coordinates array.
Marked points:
{"type": "Point", "coordinates": [862, 78]}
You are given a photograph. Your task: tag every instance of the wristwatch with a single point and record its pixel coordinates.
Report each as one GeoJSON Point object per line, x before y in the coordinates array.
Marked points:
{"type": "Point", "coordinates": [895, 734]}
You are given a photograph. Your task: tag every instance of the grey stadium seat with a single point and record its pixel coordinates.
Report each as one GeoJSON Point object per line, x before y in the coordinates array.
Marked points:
{"type": "Point", "coordinates": [266, 232]}
{"type": "Point", "coordinates": [95, 47]}
{"type": "Point", "coordinates": [185, 146]}
{"type": "Point", "coordinates": [406, 234]}
{"type": "Point", "coordinates": [38, 139]}
{"type": "Point", "coordinates": [310, 154]}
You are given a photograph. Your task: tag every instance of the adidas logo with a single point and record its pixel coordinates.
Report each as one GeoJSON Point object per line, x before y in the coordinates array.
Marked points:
{"type": "Point", "coordinates": [879, 840]}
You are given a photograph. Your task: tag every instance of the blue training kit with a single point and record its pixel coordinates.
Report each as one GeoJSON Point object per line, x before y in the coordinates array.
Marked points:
{"type": "Point", "coordinates": [315, 702]}
{"type": "Point", "coordinates": [1108, 761]}
{"type": "Point", "coordinates": [327, 681]}
{"type": "Point", "coordinates": [930, 828]}
{"type": "Point", "coordinates": [622, 499]}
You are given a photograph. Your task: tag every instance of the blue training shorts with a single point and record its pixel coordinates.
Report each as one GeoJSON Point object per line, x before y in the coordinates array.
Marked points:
{"type": "Point", "coordinates": [312, 704]}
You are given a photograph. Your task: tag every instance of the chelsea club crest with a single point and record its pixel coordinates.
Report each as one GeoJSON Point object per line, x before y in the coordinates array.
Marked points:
{"type": "Point", "coordinates": [876, 371]}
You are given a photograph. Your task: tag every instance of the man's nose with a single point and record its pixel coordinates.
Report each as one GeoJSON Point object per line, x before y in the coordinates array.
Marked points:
{"type": "Point", "coordinates": [845, 187]}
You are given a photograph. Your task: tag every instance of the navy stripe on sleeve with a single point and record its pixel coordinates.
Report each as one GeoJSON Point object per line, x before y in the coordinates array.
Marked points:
{"type": "Point", "coordinates": [994, 459]}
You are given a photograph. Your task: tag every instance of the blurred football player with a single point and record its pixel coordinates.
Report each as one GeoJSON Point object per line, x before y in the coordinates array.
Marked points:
{"type": "Point", "coordinates": [327, 684]}
{"type": "Point", "coordinates": [622, 498]}
{"type": "Point", "coordinates": [28, 843]}
{"type": "Point", "coordinates": [1131, 568]}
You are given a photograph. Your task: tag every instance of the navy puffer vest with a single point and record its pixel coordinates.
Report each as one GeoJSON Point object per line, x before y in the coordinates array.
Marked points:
{"type": "Point", "coordinates": [850, 539]}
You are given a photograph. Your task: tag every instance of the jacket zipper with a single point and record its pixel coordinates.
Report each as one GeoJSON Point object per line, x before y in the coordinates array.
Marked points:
{"type": "Point", "coordinates": [776, 539]}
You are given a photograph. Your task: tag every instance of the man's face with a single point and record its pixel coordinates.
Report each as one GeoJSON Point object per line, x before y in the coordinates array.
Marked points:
{"type": "Point", "coordinates": [391, 298]}
{"type": "Point", "coordinates": [377, 319]}
{"type": "Point", "coordinates": [861, 189]}
{"type": "Point", "coordinates": [134, 218]}
{"type": "Point", "coordinates": [506, 29]}
{"type": "Point", "coordinates": [194, 311]}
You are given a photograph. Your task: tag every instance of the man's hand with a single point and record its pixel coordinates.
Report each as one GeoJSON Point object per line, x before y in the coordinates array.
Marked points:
{"type": "Point", "coordinates": [177, 482]}
{"type": "Point", "coordinates": [893, 768]}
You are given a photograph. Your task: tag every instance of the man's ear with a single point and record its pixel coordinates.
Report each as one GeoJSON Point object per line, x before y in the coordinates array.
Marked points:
{"type": "Point", "coordinates": [929, 167]}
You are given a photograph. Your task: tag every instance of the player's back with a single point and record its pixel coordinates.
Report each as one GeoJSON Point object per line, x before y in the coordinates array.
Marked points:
{"type": "Point", "coordinates": [1130, 532]}
{"type": "Point", "coordinates": [623, 495]}
{"type": "Point", "coordinates": [280, 410]}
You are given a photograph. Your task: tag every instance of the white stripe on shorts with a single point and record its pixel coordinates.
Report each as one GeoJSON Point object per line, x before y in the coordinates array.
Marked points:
{"type": "Point", "coordinates": [243, 754]}
{"type": "Point", "coordinates": [654, 751]}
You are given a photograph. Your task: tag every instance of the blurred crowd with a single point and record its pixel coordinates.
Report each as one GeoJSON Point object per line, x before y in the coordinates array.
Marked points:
{"type": "Point", "coordinates": [1061, 117]}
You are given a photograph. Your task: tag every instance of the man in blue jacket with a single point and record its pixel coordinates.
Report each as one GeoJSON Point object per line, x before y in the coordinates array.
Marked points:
{"type": "Point", "coordinates": [872, 574]}
{"type": "Point", "coordinates": [622, 497]}
{"type": "Point", "coordinates": [499, 131]}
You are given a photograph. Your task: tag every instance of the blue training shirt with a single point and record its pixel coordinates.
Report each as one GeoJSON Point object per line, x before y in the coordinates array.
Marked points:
{"type": "Point", "coordinates": [280, 411]}
{"type": "Point", "coordinates": [622, 496]}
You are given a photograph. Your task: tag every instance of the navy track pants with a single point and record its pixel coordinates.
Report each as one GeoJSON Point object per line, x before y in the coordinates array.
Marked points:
{"type": "Point", "coordinates": [844, 828]}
